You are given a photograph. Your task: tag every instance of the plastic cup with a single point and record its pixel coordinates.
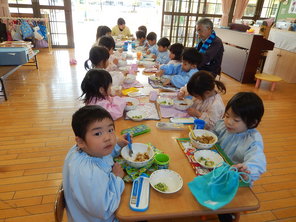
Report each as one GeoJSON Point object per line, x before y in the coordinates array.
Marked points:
{"type": "Point", "coordinates": [199, 124]}
{"type": "Point", "coordinates": [139, 55]}
{"type": "Point", "coordinates": [162, 161]}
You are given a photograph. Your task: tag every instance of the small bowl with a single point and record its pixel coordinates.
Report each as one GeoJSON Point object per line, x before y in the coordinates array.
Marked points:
{"type": "Point", "coordinates": [200, 133]}
{"type": "Point", "coordinates": [172, 179]}
{"type": "Point", "coordinates": [122, 63]}
{"type": "Point", "coordinates": [131, 103]}
{"type": "Point", "coordinates": [129, 79]}
{"type": "Point", "coordinates": [183, 104]}
{"type": "Point", "coordinates": [165, 102]}
{"type": "Point", "coordinates": [137, 148]}
{"type": "Point", "coordinates": [135, 115]}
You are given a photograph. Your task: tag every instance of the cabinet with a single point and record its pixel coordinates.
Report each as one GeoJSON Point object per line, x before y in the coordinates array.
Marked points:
{"type": "Point", "coordinates": [242, 52]}
{"type": "Point", "coordinates": [281, 63]}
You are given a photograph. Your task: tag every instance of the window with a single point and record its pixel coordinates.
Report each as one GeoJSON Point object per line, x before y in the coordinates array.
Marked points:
{"type": "Point", "coordinates": [269, 8]}
{"type": "Point", "coordinates": [180, 16]}
{"type": "Point", "coordinates": [251, 8]}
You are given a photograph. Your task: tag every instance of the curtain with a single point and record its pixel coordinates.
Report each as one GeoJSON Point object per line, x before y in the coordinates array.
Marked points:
{"type": "Point", "coordinates": [226, 5]}
{"type": "Point", "coordinates": [4, 10]}
{"type": "Point", "coordinates": [240, 7]}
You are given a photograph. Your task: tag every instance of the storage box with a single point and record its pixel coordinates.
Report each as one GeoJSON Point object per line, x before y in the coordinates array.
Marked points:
{"type": "Point", "coordinates": [13, 55]}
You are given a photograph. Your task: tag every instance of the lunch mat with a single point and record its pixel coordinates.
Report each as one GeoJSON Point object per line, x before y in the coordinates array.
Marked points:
{"type": "Point", "coordinates": [149, 109]}
{"type": "Point", "coordinates": [168, 112]}
{"type": "Point", "coordinates": [189, 151]}
{"type": "Point", "coordinates": [158, 85]}
{"type": "Point", "coordinates": [134, 173]}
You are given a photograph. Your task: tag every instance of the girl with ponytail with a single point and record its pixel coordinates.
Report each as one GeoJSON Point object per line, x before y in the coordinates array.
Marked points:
{"type": "Point", "coordinates": [208, 104]}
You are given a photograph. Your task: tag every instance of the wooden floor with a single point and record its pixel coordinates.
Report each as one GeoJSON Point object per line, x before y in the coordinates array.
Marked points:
{"type": "Point", "coordinates": [36, 135]}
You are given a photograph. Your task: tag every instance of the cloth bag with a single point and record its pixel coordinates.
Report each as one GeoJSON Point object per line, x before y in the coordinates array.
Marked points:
{"type": "Point", "coordinates": [217, 188]}
{"type": "Point", "coordinates": [26, 29]}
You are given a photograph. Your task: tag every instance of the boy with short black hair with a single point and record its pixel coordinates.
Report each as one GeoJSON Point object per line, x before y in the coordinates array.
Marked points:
{"type": "Point", "coordinates": [176, 51]}
{"type": "Point", "coordinates": [178, 75]}
{"type": "Point", "coordinates": [143, 28]}
{"type": "Point", "coordinates": [92, 182]}
{"type": "Point", "coordinates": [152, 47]}
{"type": "Point", "coordinates": [141, 38]}
{"type": "Point", "coordinates": [163, 55]}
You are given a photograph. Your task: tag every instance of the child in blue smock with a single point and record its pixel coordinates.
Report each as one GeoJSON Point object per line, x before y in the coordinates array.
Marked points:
{"type": "Point", "coordinates": [178, 75]}
{"type": "Point", "coordinates": [92, 182]}
{"type": "Point", "coordinates": [152, 47]}
{"type": "Point", "coordinates": [237, 134]}
{"type": "Point", "coordinates": [163, 54]}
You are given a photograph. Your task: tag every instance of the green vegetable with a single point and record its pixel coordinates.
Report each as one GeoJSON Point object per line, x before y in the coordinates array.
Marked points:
{"type": "Point", "coordinates": [201, 159]}
{"type": "Point", "coordinates": [209, 163]}
{"type": "Point", "coordinates": [137, 117]}
{"type": "Point", "coordinates": [161, 187]}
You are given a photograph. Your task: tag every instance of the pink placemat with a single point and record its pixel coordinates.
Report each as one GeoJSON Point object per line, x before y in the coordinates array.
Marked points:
{"type": "Point", "coordinates": [136, 84]}
{"type": "Point", "coordinates": [168, 112]}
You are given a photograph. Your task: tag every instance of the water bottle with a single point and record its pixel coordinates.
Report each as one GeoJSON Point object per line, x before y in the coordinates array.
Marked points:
{"type": "Point", "coordinates": [125, 46]}
{"type": "Point", "coordinates": [199, 124]}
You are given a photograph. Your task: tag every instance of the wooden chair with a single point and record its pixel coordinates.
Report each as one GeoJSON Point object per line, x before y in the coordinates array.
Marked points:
{"type": "Point", "coordinates": [59, 204]}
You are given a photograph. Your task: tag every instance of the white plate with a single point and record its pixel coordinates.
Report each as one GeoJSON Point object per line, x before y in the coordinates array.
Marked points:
{"type": "Point", "coordinates": [148, 59]}
{"type": "Point", "coordinates": [154, 78]}
{"type": "Point", "coordinates": [165, 101]}
{"type": "Point", "coordinates": [134, 102]}
{"type": "Point", "coordinates": [136, 115]}
{"type": "Point", "coordinates": [172, 179]}
{"type": "Point", "coordinates": [151, 70]}
{"type": "Point", "coordinates": [134, 94]}
{"type": "Point", "coordinates": [209, 155]}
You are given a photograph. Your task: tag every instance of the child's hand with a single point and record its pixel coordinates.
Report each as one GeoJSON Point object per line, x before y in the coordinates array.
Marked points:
{"type": "Point", "coordinates": [242, 168]}
{"type": "Point", "coordinates": [148, 52]}
{"type": "Point", "coordinates": [159, 73]}
{"type": "Point", "coordinates": [181, 95]}
{"type": "Point", "coordinates": [122, 142]}
{"type": "Point", "coordinates": [115, 61]}
{"type": "Point", "coordinates": [193, 112]}
{"type": "Point", "coordinates": [166, 82]}
{"type": "Point", "coordinates": [117, 170]}
{"type": "Point", "coordinates": [154, 56]}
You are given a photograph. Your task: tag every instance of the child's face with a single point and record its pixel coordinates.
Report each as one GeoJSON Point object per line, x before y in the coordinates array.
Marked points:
{"type": "Point", "coordinates": [186, 66]}
{"type": "Point", "coordinates": [152, 42]}
{"type": "Point", "coordinates": [172, 56]}
{"type": "Point", "coordinates": [104, 93]}
{"type": "Point", "coordinates": [100, 138]}
{"type": "Point", "coordinates": [162, 49]}
{"type": "Point", "coordinates": [234, 123]}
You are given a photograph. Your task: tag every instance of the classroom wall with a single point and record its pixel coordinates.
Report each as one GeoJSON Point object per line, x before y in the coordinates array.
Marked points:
{"type": "Point", "coordinates": [283, 11]}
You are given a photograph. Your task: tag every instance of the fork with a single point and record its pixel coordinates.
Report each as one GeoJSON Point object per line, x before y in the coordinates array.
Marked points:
{"type": "Point", "coordinates": [128, 137]}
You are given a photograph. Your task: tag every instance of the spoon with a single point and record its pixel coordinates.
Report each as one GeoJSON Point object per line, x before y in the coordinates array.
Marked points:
{"type": "Point", "coordinates": [128, 137]}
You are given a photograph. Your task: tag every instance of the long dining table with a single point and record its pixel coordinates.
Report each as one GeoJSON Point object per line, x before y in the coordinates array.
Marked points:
{"type": "Point", "coordinates": [181, 204]}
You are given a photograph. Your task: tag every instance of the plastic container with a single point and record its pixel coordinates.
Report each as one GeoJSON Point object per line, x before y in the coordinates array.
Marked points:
{"type": "Point", "coordinates": [153, 95]}
{"type": "Point", "coordinates": [162, 161]}
{"type": "Point", "coordinates": [199, 124]}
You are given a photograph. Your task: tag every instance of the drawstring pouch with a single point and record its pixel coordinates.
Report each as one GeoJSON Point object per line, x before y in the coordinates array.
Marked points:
{"type": "Point", "coordinates": [26, 29]}
{"type": "Point", "coordinates": [217, 188]}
